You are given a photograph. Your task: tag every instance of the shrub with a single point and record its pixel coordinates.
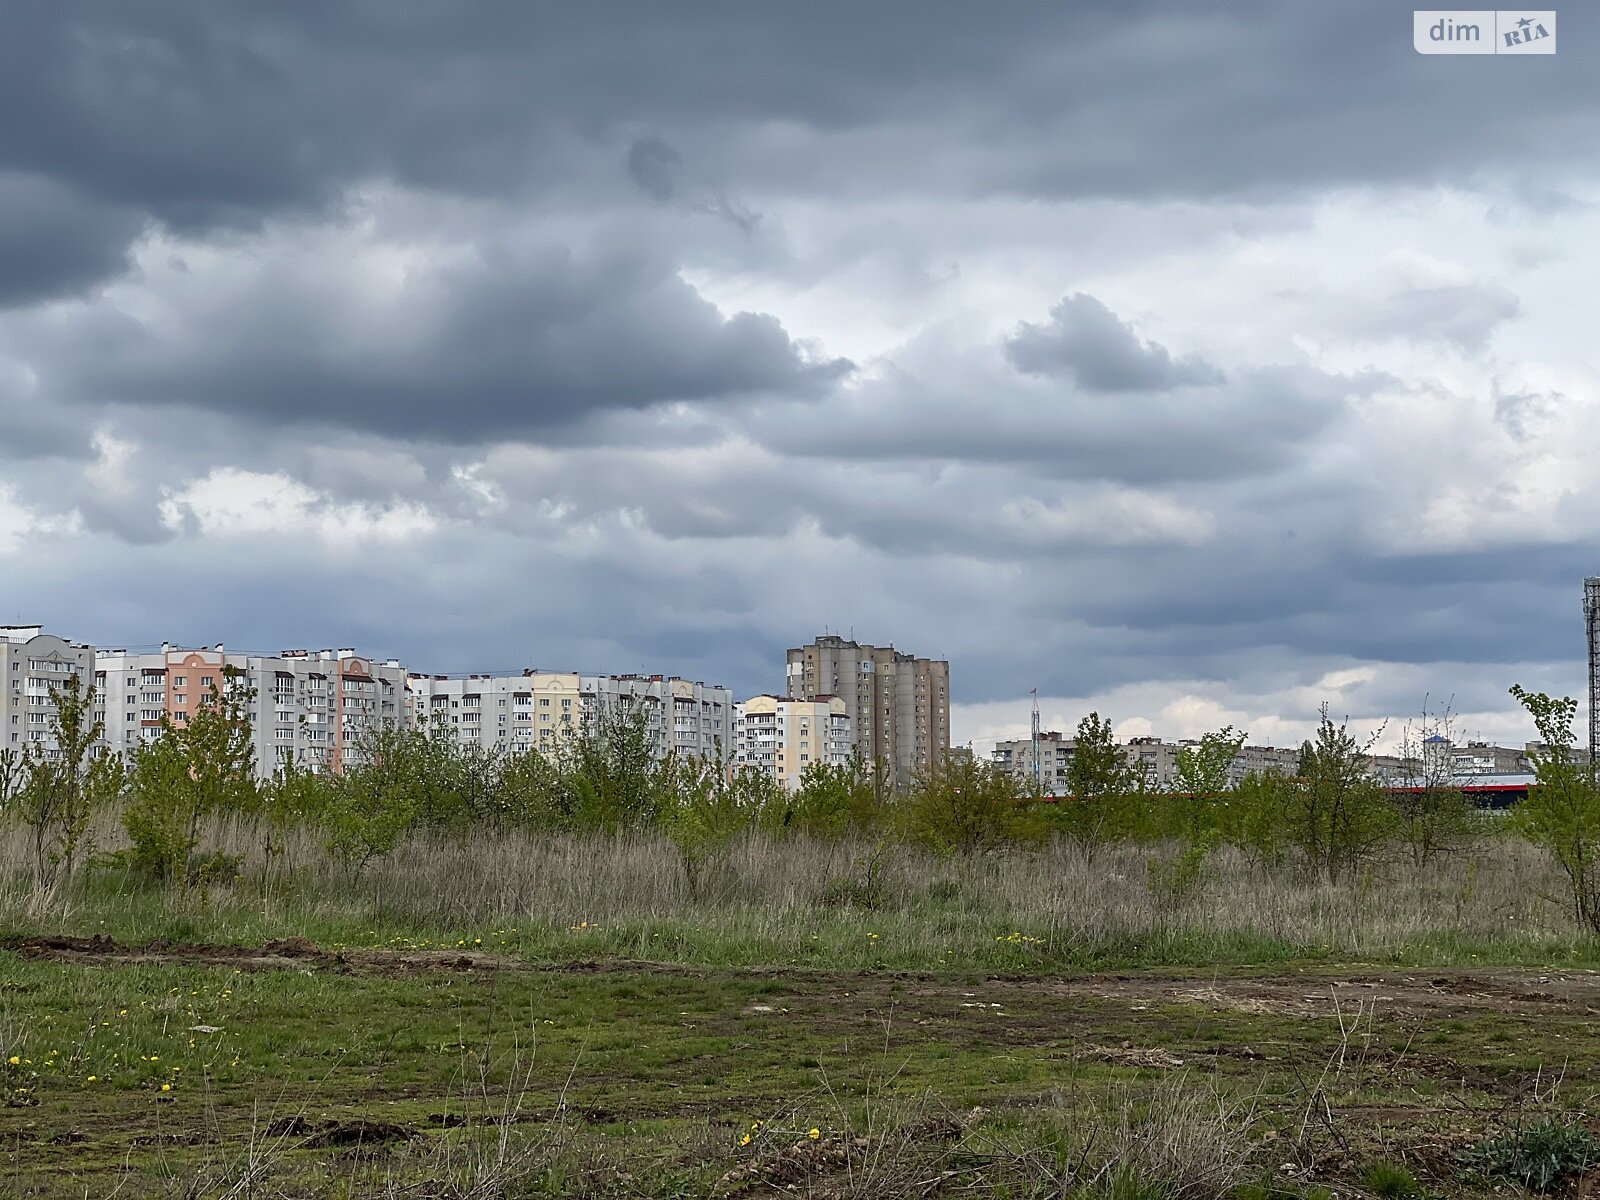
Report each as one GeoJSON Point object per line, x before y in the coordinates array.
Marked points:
{"type": "Point", "coordinates": [1390, 1181]}
{"type": "Point", "coordinates": [1538, 1157]}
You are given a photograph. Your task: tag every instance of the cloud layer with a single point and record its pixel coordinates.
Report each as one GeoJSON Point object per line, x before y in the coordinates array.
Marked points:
{"type": "Point", "coordinates": [1197, 366]}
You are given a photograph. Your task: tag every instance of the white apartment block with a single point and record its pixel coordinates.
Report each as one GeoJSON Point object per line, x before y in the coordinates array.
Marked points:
{"type": "Point", "coordinates": [31, 663]}
{"type": "Point", "coordinates": [311, 708]}
{"type": "Point", "coordinates": [539, 710]}
{"type": "Point", "coordinates": [536, 710]}
{"type": "Point", "coordinates": [783, 737]}
{"type": "Point", "coordinates": [690, 720]}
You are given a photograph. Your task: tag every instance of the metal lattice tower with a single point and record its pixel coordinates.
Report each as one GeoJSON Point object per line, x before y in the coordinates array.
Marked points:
{"type": "Point", "coordinates": [1591, 624]}
{"type": "Point", "coordinates": [1036, 738]}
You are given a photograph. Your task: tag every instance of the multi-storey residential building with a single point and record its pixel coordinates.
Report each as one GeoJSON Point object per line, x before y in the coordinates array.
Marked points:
{"type": "Point", "coordinates": [1157, 760]}
{"type": "Point", "coordinates": [898, 704]}
{"type": "Point", "coordinates": [309, 707]}
{"type": "Point", "coordinates": [537, 710]}
{"type": "Point", "coordinates": [1055, 754]}
{"type": "Point", "coordinates": [517, 713]}
{"type": "Point", "coordinates": [693, 720]}
{"type": "Point", "coordinates": [784, 737]}
{"type": "Point", "coordinates": [32, 662]}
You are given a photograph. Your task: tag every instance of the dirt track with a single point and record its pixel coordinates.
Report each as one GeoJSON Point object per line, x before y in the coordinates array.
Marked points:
{"type": "Point", "coordinates": [1572, 992]}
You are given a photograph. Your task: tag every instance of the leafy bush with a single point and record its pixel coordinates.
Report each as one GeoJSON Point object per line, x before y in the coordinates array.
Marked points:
{"type": "Point", "coordinates": [1538, 1157]}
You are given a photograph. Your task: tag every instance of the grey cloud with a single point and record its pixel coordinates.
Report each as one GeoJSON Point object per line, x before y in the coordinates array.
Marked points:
{"type": "Point", "coordinates": [229, 112]}
{"type": "Point", "coordinates": [1463, 315]}
{"type": "Point", "coordinates": [1086, 342]}
{"type": "Point", "coordinates": [961, 403]}
{"type": "Point", "coordinates": [54, 243]}
{"type": "Point", "coordinates": [654, 165]}
{"type": "Point", "coordinates": [504, 345]}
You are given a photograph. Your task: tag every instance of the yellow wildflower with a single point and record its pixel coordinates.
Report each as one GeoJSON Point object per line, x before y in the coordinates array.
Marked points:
{"type": "Point", "coordinates": [166, 1087]}
{"type": "Point", "coordinates": [814, 1133]}
{"type": "Point", "coordinates": [745, 1140]}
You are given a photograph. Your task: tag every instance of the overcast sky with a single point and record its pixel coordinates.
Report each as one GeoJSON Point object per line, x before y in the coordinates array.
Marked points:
{"type": "Point", "coordinates": [1194, 363]}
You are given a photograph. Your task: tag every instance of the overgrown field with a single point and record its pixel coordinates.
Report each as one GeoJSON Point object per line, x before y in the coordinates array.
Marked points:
{"type": "Point", "coordinates": [838, 904]}
{"type": "Point", "coordinates": [290, 1070]}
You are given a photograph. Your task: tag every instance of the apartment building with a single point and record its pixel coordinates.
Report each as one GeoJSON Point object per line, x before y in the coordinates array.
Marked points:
{"type": "Point", "coordinates": [535, 710]}
{"type": "Point", "coordinates": [538, 710]}
{"type": "Point", "coordinates": [686, 718]}
{"type": "Point", "coordinates": [898, 704]}
{"type": "Point", "coordinates": [32, 662]}
{"type": "Point", "coordinates": [1158, 761]}
{"type": "Point", "coordinates": [312, 708]}
{"type": "Point", "coordinates": [783, 737]}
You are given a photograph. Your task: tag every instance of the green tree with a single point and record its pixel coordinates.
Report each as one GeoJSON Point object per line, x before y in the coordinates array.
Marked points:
{"type": "Point", "coordinates": [710, 805]}
{"type": "Point", "coordinates": [1562, 811]}
{"type": "Point", "coordinates": [834, 801]}
{"type": "Point", "coordinates": [1335, 815]}
{"type": "Point", "coordinates": [1433, 816]}
{"type": "Point", "coordinates": [62, 788]}
{"type": "Point", "coordinates": [1107, 798]}
{"type": "Point", "coordinates": [618, 778]}
{"type": "Point", "coordinates": [1202, 786]}
{"type": "Point", "coordinates": [11, 776]}
{"type": "Point", "coordinates": [295, 797]}
{"type": "Point", "coordinates": [1252, 816]}
{"type": "Point", "coordinates": [202, 767]}
{"type": "Point", "coordinates": [962, 806]}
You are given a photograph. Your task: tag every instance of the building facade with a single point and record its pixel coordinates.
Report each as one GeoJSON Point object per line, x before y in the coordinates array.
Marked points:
{"type": "Point", "coordinates": [898, 704]}
{"type": "Point", "coordinates": [783, 737]}
{"type": "Point", "coordinates": [539, 710]}
{"type": "Point", "coordinates": [535, 710]}
{"type": "Point", "coordinates": [689, 719]}
{"type": "Point", "coordinates": [311, 708]}
{"type": "Point", "coordinates": [32, 663]}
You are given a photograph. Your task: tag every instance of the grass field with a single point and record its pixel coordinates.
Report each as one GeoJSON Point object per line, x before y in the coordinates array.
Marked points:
{"type": "Point", "coordinates": [516, 1017]}
{"type": "Point", "coordinates": [297, 1071]}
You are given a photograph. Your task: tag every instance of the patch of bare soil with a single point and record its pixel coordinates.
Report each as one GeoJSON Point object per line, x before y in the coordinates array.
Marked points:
{"type": "Point", "coordinates": [1397, 993]}
{"type": "Point", "coordinates": [316, 1135]}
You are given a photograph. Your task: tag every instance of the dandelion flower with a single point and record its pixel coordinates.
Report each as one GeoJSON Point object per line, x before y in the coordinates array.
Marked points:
{"type": "Point", "coordinates": [94, 1079]}
{"type": "Point", "coordinates": [745, 1140]}
{"type": "Point", "coordinates": [166, 1087]}
{"type": "Point", "coordinates": [814, 1133]}
{"type": "Point", "coordinates": [15, 1060]}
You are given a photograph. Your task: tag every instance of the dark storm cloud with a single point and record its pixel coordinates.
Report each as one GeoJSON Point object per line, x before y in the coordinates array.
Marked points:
{"type": "Point", "coordinates": [222, 113]}
{"type": "Point", "coordinates": [53, 242]}
{"type": "Point", "coordinates": [501, 345]}
{"type": "Point", "coordinates": [1084, 341]}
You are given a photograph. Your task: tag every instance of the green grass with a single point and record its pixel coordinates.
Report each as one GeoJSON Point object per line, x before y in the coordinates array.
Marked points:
{"type": "Point", "coordinates": [629, 1066]}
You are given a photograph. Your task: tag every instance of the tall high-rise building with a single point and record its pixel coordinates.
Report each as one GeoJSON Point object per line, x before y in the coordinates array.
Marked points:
{"type": "Point", "coordinates": [32, 662]}
{"type": "Point", "coordinates": [898, 704]}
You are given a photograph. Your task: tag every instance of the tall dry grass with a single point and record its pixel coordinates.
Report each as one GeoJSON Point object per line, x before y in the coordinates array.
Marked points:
{"type": "Point", "coordinates": [799, 900]}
